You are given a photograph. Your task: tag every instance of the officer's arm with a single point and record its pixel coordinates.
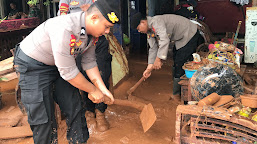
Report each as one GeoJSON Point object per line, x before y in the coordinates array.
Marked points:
{"type": "Point", "coordinates": [63, 7]}
{"type": "Point", "coordinates": [153, 49]}
{"type": "Point", "coordinates": [151, 57]}
{"type": "Point", "coordinates": [65, 61]}
{"type": "Point", "coordinates": [89, 64]}
{"type": "Point", "coordinates": [164, 40]}
{"type": "Point", "coordinates": [96, 79]}
{"type": "Point", "coordinates": [82, 83]}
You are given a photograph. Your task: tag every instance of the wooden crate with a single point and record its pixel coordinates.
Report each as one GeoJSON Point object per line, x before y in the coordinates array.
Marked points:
{"type": "Point", "coordinates": [185, 89]}
{"type": "Point", "coordinates": [209, 124]}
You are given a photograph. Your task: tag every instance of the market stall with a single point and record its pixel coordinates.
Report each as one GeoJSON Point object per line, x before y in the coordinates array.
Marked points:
{"type": "Point", "coordinates": [13, 31]}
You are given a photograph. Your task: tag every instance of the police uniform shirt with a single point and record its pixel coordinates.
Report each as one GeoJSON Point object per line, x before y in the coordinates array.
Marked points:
{"type": "Point", "coordinates": [71, 6]}
{"type": "Point", "coordinates": [58, 41]}
{"type": "Point", "coordinates": [166, 28]}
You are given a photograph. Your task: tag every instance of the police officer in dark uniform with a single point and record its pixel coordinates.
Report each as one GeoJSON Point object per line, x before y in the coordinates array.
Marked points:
{"type": "Point", "coordinates": [103, 59]}
{"type": "Point", "coordinates": [45, 61]}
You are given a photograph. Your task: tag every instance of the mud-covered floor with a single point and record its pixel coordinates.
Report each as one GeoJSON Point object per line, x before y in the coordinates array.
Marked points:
{"type": "Point", "coordinates": [125, 125]}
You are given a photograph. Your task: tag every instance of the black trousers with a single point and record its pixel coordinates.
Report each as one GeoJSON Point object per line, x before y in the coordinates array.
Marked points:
{"type": "Point", "coordinates": [103, 59]}
{"type": "Point", "coordinates": [184, 54]}
{"type": "Point", "coordinates": [41, 85]}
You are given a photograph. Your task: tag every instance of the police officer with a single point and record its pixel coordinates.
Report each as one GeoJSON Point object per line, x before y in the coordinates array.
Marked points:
{"type": "Point", "coordinates": [103, 59]}
{"type": "Point", "coordinates": [71, 6]}
{"type": "Point", "coordinates": [160, 31]}
{"type": "Point", "coordinates": [45, 61]}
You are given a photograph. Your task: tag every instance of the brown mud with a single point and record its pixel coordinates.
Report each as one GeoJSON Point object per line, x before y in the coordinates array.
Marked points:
{"type": "Point", "coordinates": [125, 125]}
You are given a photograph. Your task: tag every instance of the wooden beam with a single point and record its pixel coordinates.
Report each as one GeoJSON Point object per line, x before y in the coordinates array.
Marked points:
{"type": "Point", "coordinates": [15, 132]}
{"type": "Point", "coordinates": [6, 66]}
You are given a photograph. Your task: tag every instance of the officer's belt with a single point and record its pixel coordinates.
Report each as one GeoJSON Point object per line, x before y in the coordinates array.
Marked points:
{"type": "Point", "coordinates": [73, 8]}
{"type": "Point", "coordinates": [21, 55]}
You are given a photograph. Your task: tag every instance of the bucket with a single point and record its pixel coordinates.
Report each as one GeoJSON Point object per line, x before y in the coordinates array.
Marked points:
{"type": "Point", "coordinates": [189, 73]}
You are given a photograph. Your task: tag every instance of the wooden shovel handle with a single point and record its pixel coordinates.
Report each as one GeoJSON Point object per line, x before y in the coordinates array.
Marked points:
{"type": "Point", "coordinates": [132, 89]}
{"type": "Point", "coordinates": [248, 89]}
{"type": "Point", "coordinates": [134, 104]}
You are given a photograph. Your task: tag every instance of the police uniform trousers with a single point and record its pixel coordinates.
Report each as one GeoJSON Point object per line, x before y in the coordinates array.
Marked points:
{"type": "Point", "coordinates": [103, 59]}
{"type": "Point", "coordinates": [41, 85]}
{"type": "Point", "coordinates": [180, 57]}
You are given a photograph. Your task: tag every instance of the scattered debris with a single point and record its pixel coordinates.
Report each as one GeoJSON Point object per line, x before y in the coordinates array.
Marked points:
{"type": "Point", "coordinates": [209, 100]}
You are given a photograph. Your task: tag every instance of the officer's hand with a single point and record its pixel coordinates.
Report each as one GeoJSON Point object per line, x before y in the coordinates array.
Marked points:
{"type": "Point", "coordinates": [110, 98]}
{"type": "Point", "coordinates": [147, 72]}
{"type": "Point", "coordinates": [157, 63]}
{"type": "Point", "coordinates": [97, 96]}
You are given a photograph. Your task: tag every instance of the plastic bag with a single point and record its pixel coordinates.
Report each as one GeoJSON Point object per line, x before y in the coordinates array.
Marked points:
{"type": "Point", "coordinates": [217, 78]}
{"type": "Point", "coordinates": [245, 111]}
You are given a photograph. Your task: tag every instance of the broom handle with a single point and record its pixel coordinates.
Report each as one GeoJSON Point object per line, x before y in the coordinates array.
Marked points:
{"type": "Point", "coordinates": [237, 31]}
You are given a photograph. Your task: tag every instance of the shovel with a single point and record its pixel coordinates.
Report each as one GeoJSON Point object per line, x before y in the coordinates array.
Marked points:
{"type": "Point", "coordinates": [133, 88]}
{"type": "Point", "coordinates": [147, 116]}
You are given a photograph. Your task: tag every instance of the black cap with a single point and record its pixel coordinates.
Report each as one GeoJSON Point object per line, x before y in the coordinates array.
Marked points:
{"type": "Point", "coordinates": [135, 20]}
{"type": "Point", "coordinates": [110, 9]}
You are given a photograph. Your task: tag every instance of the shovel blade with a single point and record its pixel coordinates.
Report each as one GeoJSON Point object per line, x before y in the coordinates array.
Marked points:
{"type": "Point", "coordinates": [147, 117]}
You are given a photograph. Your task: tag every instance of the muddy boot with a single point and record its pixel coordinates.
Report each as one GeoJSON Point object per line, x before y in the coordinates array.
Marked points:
{"type": "Point", "coordinates": [176, 90]}
{"type": "Point", "coordinates": [90, 118]}
{"type": "Point", "coordinates": [176, 86]}
{"type": "Point", "coordinates": [101, 122]}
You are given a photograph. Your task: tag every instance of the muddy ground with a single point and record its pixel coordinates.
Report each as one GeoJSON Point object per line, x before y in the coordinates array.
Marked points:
{"type": "Point", "coordinates": [125, 125]}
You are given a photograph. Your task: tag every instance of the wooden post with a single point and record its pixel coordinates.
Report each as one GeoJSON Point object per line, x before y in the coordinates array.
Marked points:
{"type": "Point", "coordinates": [176, 2]}
{"type": "Point", "coordinates": [0, 100]}
{"type": "Point", "coordinates": [255, 90]}
{"type": "Point", "coordinates": [254, 3]}
{"type": "Point", "coordinates": [43, 10]}
{"type": "Point", "coordinates": [2, 10]}
{"type": "Point", "coordinates": [54, 9]}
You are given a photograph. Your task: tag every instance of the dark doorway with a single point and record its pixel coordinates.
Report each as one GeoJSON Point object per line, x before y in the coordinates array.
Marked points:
{"type": "Point", "coordinates": [138, 40]}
